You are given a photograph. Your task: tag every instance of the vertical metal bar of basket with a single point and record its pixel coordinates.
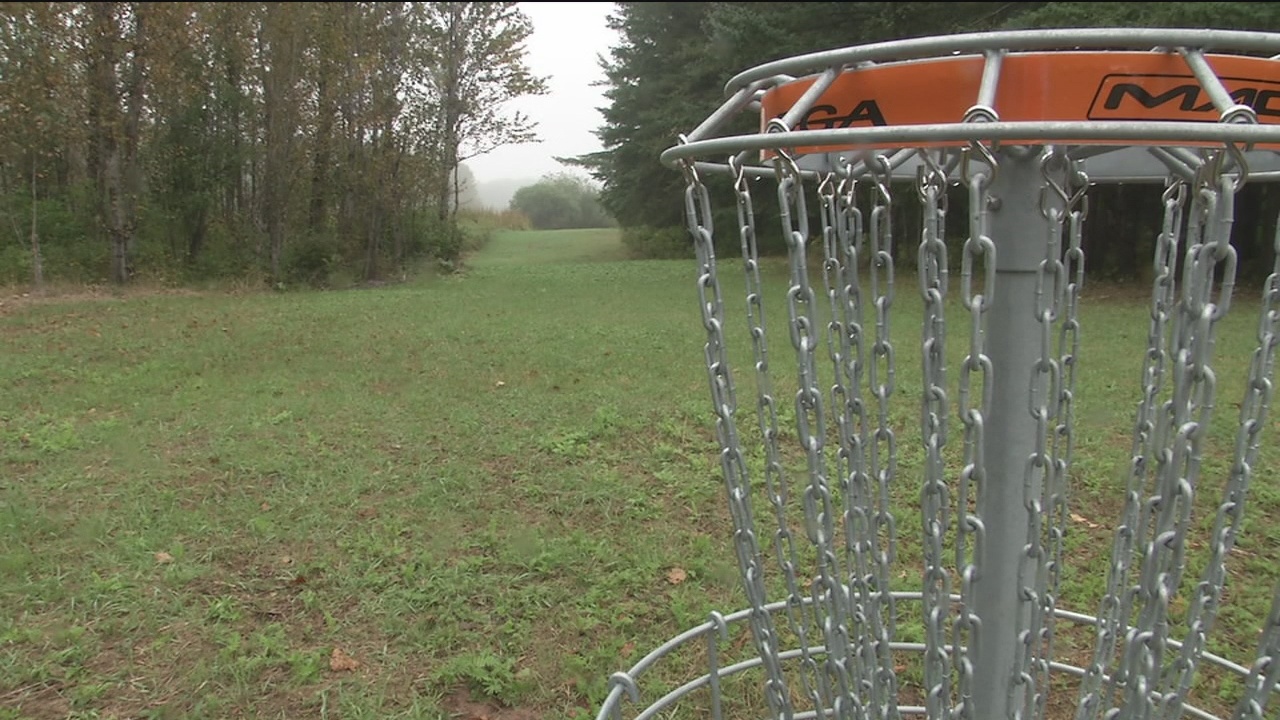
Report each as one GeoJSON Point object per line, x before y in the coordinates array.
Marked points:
{"type": "Point", "coordinates": [719, 631]}
{"type": "Point", "coordinates": [1015, 226]}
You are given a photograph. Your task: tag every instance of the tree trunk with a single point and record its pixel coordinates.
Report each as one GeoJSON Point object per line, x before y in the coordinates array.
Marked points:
{"type": "Point", "coordinates": [451, 113]}
{"type": "Point", "coordinates": [279, 114]}
{"type": "Point", "coordinates": [37, 261]}
{"type": "Point", "coordinates": [116, 233]}
{"type": "Point", "coordinates": [198, 228]}
{"type": "Point", "coordinates": [371, 270]}
{"type": "Point", "coordinates": [234, 168]}
{"type": "Point", "coordinates": [397, 208]}
{"type": "Point", "coordinates": [131, 170]}
{"type": "Point", "coordinates": [104, 126]}
{"type": "Point", "coordinates": [321, 159]}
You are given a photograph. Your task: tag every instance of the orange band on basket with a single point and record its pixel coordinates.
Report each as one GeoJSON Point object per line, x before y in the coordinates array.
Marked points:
{"type": "Point", "coordinates": [1050, 86]}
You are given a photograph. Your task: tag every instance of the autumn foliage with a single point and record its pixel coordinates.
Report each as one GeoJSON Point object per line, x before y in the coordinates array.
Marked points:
{"type": "Point", "coordinates": [287, 142]}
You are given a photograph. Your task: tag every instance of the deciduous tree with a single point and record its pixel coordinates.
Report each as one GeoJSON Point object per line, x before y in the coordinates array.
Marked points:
{"type": "Point", "coordinates": [472, 59]}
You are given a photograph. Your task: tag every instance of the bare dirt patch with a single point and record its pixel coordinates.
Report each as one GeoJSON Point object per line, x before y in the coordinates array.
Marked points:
{"type": "Point", "coordinates": [13, 300]}
{"type": "Point", "coordinates": [461, 706]}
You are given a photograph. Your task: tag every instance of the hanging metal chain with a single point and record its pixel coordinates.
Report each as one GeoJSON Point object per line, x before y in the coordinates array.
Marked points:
{"type": "Point", "coordinates": [1063, 440]}
{"type": "Point", "coordinates": [1044, 474]}
{"type": "Point", "coordinates": [828, 589]}
{"type": "Point", "coordinates": [841, 233]}
{"type": "Point", "coordinates": [853, 676]}
{"type": "Point", "coordinates": [799, 614]}
{"type": "Point", "coordinates": [737, 482]}
{"type": "Point", "coordinates": [979, 252]}
{"type": "Point", "coordinates": [1042, 398]}
{"type": "Point", "coordinates": [1114, 609]}
{"type": "Point", "coordinates": [935, 497]}
{"type": "Point", "coordinates": [855, 436]}
{"type": "Point", "coordinates": [883, 457]}
{"type": "Point", "coordinates": [1253, 414]}
{"type": "Point", "coordinates": [1265, 673]}
{"type": "Point", "coordinates": [1179, 432]}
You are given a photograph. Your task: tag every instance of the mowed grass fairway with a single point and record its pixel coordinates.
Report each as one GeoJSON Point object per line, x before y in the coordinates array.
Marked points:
{"type": "Point", "coordinates": [468, 496]}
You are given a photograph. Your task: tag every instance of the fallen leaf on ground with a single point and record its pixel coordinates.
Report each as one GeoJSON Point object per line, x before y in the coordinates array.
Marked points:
{"type": "Point", "coordinates": [1084, 521]}
{"type": "Point", "coordinates": [676, 575]}
{"type": "Point", "coordinates": [340, 661]}
{"type": "Point", "coordinates": [164, 558]}
{"type": "Point", "coordinates": [627, 650]}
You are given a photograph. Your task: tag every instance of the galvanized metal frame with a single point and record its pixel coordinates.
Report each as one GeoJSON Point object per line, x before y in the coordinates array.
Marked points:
{"type": "Point", "coordinates": [1016, 185]}
{"type": "Point", "coordinates": [627, 686]}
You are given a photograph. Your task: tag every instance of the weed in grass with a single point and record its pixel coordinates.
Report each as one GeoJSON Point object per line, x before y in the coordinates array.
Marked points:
{"type": "Point", "coordinates": [488, 675]}
{"type": "Point", "coordinates": [223, 610]}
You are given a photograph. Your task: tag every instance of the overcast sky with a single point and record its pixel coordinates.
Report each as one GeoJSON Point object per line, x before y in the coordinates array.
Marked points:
{"type": "Point", "coordinates": [567, 38]}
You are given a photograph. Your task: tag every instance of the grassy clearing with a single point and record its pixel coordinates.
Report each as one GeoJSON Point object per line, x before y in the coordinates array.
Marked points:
{"type": "Point", "coordinates": [463, 496]}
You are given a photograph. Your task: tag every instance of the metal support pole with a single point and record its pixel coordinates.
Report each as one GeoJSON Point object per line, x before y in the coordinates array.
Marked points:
{"type": "Point", "coordinates": [1018, 230]}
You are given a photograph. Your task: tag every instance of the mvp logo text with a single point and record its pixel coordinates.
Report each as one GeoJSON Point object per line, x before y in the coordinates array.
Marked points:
{"type": "Point", "coordinates": [1172, 97]}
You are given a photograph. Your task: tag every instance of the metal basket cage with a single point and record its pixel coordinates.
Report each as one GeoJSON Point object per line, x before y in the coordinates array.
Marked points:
{"type": "Point", "coordinates": [814, 531]}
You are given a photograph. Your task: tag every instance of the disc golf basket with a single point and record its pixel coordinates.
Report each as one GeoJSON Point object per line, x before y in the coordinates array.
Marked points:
{"type": "Point", "coordinates": [833, 442]}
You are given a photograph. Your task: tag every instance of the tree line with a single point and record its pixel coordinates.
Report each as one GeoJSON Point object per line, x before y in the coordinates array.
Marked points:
{"type": "Point", "coordinates": [281, 141]}
{"type": "Point", "coordinates": [668, 69]}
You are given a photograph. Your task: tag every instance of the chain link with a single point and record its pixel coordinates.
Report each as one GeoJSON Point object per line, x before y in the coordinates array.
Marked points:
{"type": "Point", "coordinates": [1204, 602]}
{"type": "Point", "coordinates": [860, 542]}
{"type": "Point", "coordinates": [1114, 609]}
{"type": "Point", "coordinates": [978, 251]}
{"type": "Point", "coordinates": [1042, 398]}
{"type": "Point", "coordinates": [828, 589]}
{"type": "Point", "coordinates": [1058, 279]}
{"type": "Point", "coordinates": [1135, 672]}
{"type": "Point", "coordinates": [1265, 673]}
{"type": "Point", "coordinates": [799, 614]}
{"type": "Point", "coordinates": [841, 231]}
{"type": "Point", "coordinates": [1063, 441]}
{"type": "Point", "coordinates": [1253, 414]}
{"type": "Point", "coordinates": [1179, 431]}
{"type": "Point", "coordinates": [732, 463]}
{"type": "Point", "coordinates": [935, 497]}
{"type": "Point", "coordinates": [883, 458]}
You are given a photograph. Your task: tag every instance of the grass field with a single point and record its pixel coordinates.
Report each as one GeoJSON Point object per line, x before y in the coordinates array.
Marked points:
{"type": "Point", "coordinates": [466, 496]}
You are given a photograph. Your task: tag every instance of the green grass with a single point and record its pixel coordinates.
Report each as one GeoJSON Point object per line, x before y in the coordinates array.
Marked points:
{"type": "Point", "coordinates": [474, 485]}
